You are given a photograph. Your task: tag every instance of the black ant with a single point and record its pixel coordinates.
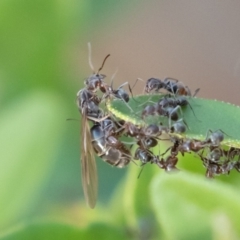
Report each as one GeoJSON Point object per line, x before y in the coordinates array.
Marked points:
{"type": "Point", "coordinates": [154, 130]}
{"type": "Point", "coordinates": [178, 127]}
{"type": "Point", "coordinates": [174, 102]}
{"type": "Point", "coordinates": [214, 138]}
{"type": "Point", "coordinates": [99, 137]}
{"type": "Point", "coordinates": [170, 112]}
{"type": "Point", "coordinates": [169, 164]}
{"type": "Point", "coordinates": [170, 84]}
{"type": "Point", "coordinates": [143, 155]}
{"type": "Point", "coordinates": [146, 156]}
{"type": "Point", "coordinates": [188, 145]}
{"type": "Point", "coordinates": [108, 147]}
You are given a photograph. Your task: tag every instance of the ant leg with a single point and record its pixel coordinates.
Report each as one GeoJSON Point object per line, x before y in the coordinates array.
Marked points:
{"type": "Point", "coordinates": [123, 85]}
{"type": "Point", "coordinates": [207, 135]}
{"type": "Point", "coordinates": [215, 138]}
{"type": "Point", "coordinates": [222, 132]}
{"type": "Point", "coordinates": [148, 101]}
{"type": "Point", "coordinates": [172, 112]}
{"type": "Point", "coordinates": [196, 92]}
{"type": "Point", "coordinates": [186, 124]}
{"type": "Point", "coordinates": [138, 79]}
{"type": "Point", "coordinates": [232, 154]}
{"type": "Point", "coordinates": [169, 78]}
{"type": "Point", "coordinates": [113, 76]}
{"type": "Point", "coordinates": [122, 97]}
{"type": "Point", "coordinates": [193, 111]}
{"type": "Point", "coordinates": [132, 143]}
{"type": "Point", "coordinates": [130, 89]}
{"type": "Point", "coordinates": [98, 119]}
{"type": "Point", "coordinates": [72, 119]}
{"type": "Point", "coordinates": [142, 165]}
{"type": "Point", "coordinates": [129, 157]}
{"type": "Point", "coordinates": [126, 104]}
{"type": "Point", "coordinates": [121, 127]}
{"type": "Point", "coordinates": [166, 151]}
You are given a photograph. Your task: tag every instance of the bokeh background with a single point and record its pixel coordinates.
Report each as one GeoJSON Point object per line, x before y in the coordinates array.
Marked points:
{"type": "Point", "coordinates": [44, 61]}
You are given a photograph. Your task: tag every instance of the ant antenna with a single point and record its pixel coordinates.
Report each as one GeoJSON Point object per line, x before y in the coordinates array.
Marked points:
{"type": "Point", "coordinates": [90, 57]}
{"type": "Point", "coordinates": [113, 76]}
{"type": "Point", "coordinates": [148, 101]}
{"type": "Point", "coordinates": [103, 63]}
{"type": "Point", "coordinates": [168, 149]}
{"type": "Point", "coordinates": [142, 165]}
{"type": "Point", "coordinates": [131, 88]}
{"type": "Point", "coordinates": [129, 156]}
{"type": "Point", "coordinates": [72, 119]}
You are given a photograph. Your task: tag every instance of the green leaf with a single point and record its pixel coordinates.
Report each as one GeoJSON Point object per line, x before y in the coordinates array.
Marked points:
{"type": "Point", "coordinates": [30, 133]}
{"type": "Point", "coordinates": [135, 185]}
{"type": "Point", "coordinates": [187, 206]}
{"type": "Point", "coordinates": [55, 230]}
{"type": "Point", "coordinates": [206, 115]}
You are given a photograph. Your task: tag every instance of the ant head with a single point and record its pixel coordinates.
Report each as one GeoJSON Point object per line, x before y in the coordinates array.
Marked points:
{"type": "Point", "coordinates": [153, 83]}
{"type": "Point", "coordinates": [215, 155]}
{"type": "Point", "coordinates": [186, 145]}
{"type": "Point", "coordinates": [151, 130]}
{"type": "Point", "coordinates": [121, 94]}
{"type": "Point", "coordinates": [142, 155]}
{"type": "Point", "coordinates": [179, 127]}
{"type": "Point", "coordinates": [150, 142]}
{"type": "Point", "coordinates": [132, 129]}
{"type": "Point", "coordinates": [216, 137]}
{"type": "Point", "coordinates": [173, 113]}
{"type": "Point", "coordinates": [170, 163]}
{"type": "Point", "coordinates": [165, 101]}
{"type": "Point", "coordinates": [148, 110]}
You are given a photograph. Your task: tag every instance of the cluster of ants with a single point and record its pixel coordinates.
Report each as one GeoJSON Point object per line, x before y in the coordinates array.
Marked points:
{"type": "Point", "coordinates": [103, 137]}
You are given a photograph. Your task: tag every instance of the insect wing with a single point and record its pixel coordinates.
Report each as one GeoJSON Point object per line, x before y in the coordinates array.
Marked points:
{"type": "Point", "coordinates": [88, 164]}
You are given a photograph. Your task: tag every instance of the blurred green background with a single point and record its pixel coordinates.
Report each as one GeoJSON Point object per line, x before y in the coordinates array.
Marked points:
{"type": "Point", "coordinates": [43, 63]}
{"type": "Point", "coordinates": [40, 76]}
